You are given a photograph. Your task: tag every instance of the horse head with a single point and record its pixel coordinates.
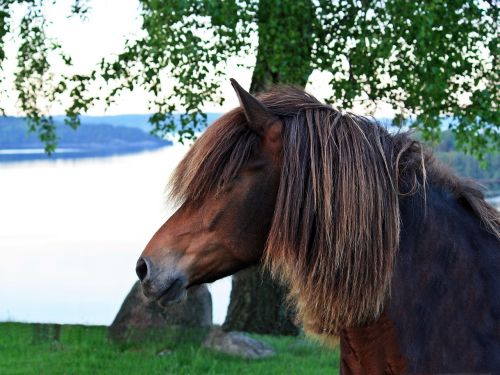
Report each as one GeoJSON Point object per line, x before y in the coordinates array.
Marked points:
{"type": "Point", "coordinates": [226, 210]}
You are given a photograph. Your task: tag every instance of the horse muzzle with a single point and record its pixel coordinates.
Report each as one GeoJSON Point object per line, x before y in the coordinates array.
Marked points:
{"type": "Point", "coordinates": [165, 285]}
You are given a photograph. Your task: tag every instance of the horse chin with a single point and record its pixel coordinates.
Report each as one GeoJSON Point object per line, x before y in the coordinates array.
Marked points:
{"type": "Point", "coordinates": [174, 292]}
{"type": "Point", "coordinates": [172, 297]}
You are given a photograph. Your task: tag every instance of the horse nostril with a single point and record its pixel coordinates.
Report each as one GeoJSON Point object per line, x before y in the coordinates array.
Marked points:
{"type": "Point", "coordinates": [141, 269]}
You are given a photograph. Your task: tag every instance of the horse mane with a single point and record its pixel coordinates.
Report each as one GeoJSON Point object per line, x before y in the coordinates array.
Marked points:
{"type": "Point", "coordinates": [335, 231]}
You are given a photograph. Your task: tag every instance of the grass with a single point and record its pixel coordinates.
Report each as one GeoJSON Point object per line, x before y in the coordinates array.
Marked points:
{"type": "Point", "coordinates": [31, 349]}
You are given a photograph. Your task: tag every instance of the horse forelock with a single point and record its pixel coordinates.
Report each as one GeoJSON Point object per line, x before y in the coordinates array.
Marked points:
{"type": "Point", "coordinates": [214, 160]}
{"type": "Point", "coordinates": [335, 231]}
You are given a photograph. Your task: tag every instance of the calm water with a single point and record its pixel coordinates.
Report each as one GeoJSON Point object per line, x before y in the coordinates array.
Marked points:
{"type": "Point", "coordinates": [71, 232]}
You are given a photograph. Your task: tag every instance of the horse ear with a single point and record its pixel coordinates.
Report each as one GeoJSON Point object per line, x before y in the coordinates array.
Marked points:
{"type": "Point", "coordinates": [258, 116]}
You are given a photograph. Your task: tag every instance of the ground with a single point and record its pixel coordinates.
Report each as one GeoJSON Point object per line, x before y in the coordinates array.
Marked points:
{"type": "Point", "coordinates": [31, 349]}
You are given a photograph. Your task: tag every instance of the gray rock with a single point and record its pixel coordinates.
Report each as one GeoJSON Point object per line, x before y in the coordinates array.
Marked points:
{"type": "Point", "coordinates": [237, 343]}
{"type": "Point", "coordinates": [138, 317]}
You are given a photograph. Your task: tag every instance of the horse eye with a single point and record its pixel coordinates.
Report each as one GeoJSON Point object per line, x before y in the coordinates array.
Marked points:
{"type": "Point", "coordinates": [215, 219]}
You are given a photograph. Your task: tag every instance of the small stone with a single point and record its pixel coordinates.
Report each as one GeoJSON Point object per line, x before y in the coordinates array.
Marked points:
{"type": "Point", "coordinates": [238, 344]}
{"type": "Point", "coordinates": [164, 352]}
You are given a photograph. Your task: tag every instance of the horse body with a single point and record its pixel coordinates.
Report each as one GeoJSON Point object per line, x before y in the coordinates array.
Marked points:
{"type": "Point", "coordinates": [445, 297]}
{"type": "Point", "coordinates": [378, 243]}
{"type": "Point", "coordinates": [444, 309]}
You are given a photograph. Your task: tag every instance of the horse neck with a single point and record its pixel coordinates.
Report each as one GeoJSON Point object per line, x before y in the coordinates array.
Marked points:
{"type": "Point", "coordinates": [445, 292]}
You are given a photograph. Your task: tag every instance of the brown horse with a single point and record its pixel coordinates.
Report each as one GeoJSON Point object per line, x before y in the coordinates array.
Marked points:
{"type": "Point", "coordinates": [379, 244]}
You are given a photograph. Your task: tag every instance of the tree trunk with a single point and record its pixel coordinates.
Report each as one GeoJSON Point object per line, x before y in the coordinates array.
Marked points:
{"type": "Point", "coordinates": [257, 305]}
{"type": "Point", "coordinates": [257, 302]}
{"type": "Point", "coordinates": [285, 44]}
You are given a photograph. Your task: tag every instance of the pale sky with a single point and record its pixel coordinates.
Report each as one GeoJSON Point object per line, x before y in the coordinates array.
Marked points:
{"type": "Point", "coordinates": [109, 24]}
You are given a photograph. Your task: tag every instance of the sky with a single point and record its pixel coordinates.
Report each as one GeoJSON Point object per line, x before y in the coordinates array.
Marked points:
{"type": "Point", "coordinates": [103, 34]}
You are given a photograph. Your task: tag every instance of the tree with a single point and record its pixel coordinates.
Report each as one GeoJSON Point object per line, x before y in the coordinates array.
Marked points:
{"type": "Point", "coordinates": [425, 59]}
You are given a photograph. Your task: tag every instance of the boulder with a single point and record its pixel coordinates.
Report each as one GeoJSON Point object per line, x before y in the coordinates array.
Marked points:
{"type": "Point", "coordinates": [237, 343]}
{"type": "Point", "coordinates": [138, 317]}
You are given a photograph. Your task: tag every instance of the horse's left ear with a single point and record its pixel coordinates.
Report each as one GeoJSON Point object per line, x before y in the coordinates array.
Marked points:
{"type": "Point", "coordinates": [260, 119]}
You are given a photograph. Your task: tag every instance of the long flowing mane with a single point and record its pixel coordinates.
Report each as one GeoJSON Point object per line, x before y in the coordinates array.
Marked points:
{"type": "Point", "coordinates": [336, 225]}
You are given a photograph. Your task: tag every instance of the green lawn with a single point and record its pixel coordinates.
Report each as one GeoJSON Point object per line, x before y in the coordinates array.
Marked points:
{"type": "Point", "coordinates": [86, 350]}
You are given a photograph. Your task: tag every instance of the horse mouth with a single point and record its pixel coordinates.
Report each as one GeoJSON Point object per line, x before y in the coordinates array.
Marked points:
{"type": "Point", "coordinates": [174, 293]}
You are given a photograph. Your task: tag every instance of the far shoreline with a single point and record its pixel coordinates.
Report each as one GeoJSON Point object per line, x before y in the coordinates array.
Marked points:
{"type": "Point", "coordinates": [22, 155]}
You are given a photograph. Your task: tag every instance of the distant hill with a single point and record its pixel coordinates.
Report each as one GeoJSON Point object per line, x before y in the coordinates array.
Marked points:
{"type": "Point", "coordinates": [130, 121]}
{"type": "Point", "coordinates": [468, 166]}
{"type": "Point", "coordinates": [98, 139]}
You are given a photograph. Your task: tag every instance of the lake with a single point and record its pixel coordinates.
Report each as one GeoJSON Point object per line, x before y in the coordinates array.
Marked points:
{"type": "Point", "coordinates": [71, 232]}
